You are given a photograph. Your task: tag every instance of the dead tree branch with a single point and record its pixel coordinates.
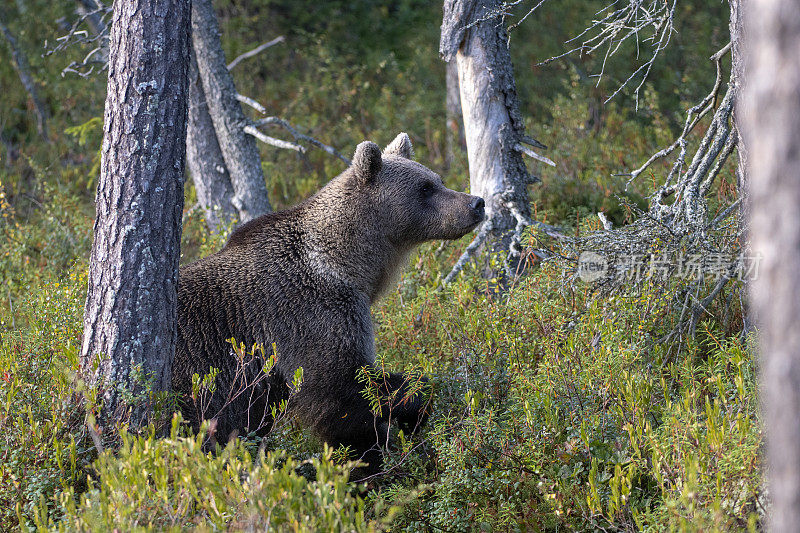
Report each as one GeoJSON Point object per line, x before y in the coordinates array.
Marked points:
{"type": "Point", "coordinates": [272, 141]}
{"type": "Point", "coordinates": [301, 137]}
{"type": "Point", "coordinates": [621, 22]}
{"type": "Point", "coordinates": [255, 51]}
{"type": "Point", "coordinates": [95, 14]}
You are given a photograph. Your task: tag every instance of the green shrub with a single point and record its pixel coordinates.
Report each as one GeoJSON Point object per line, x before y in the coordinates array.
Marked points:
{"type": "Point", "coordinates": [172, 484]}
{"type": "Point", "coordinates": [556, 409]}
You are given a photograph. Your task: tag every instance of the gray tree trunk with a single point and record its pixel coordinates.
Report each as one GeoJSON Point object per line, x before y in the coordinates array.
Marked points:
{"type": "Point", "coordinates": [24, 73]}
{"type": "Point", "coordinates": [473, 35]}
{"type": "Point", "coordinates": [204, 158]}
{"type": "Point", "coordinates": [238, 148]}
{"type": "Point", "coordinates": [131, 306]}
{"type": "Point", "coordinates": [771, 119]}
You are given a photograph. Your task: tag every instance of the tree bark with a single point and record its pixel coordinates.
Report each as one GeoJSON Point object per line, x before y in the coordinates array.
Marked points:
{"type": "Point", "coordinates": [24, 72]}
{"type": "Point", "coordinates": [131, 306]}
{"type": "Point", "coordinates": [771, 119]}
{"type": "Point", "coordinates": [238, 148]}
{"type": "Point", "coordinates": [473, 35]}
{"type": "Point", "coordinates": [204, 157]}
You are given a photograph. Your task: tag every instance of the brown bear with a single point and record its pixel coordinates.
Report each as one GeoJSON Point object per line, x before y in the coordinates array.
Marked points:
{"type": "Point", "coordinates": [304, 279]}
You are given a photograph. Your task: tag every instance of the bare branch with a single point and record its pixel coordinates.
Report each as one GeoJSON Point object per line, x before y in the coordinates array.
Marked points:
{"type": "Point", "coordinates": [301, 137]}
{"type": "Point", "coordinates": [618, 25]}
{"type": "Point", "coordinates": [95, 14]}
{"type": "Point", "coordinates": [469, 252]}
{"type": "Point", "coordinates": [252, 103]}
{"type": "Point", "coordinates": [527, 151]}
{"type": "Point", "coordinates": [23, 71]}
{"type": "Point", "coordinates": [272, 141]}
{"type": "Point", "coordinates": [255, 51]}
{"type": "Point", "coordinates": [533, 142]}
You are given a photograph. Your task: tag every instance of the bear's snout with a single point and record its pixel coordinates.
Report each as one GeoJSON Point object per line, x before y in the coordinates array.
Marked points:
{"type": "Point", "coordinates": [478, 207]}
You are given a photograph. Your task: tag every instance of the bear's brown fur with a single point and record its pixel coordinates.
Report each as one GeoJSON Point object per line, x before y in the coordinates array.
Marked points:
{"type": "Point", "coordinates": [304, 279]}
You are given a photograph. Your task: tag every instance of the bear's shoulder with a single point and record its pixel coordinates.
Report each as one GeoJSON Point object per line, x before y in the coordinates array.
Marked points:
{"type": "Point", "coordinates": [265, 226]}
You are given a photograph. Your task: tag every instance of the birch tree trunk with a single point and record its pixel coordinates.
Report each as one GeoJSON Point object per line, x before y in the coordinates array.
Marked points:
{"type": "Point", "coordinates": [204, 158]}
{"type": "Point", "coordinates": [131, 306]}
{"type": "Point", "coordinates": [771, 118]}
{"type": "Point", "coordinates": [473, 35]}
{"type": "Point", "coordinates": [238, 148]}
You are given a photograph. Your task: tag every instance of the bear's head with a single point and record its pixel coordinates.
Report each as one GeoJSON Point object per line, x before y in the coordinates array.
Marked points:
{"type": "Point", "coordinates": [410, 200]}
{"type": "Point", "coordinates": [361, 227]}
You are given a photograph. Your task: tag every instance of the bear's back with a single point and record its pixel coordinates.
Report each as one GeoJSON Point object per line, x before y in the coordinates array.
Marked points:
{"type": "Point", "coordinates": [260, 288]}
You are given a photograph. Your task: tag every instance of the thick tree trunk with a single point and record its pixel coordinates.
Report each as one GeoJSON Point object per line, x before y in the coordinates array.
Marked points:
{"type": "Point", "coordinates": [238, 148]}
{"type": "Point", "coordinates": [771, 118]}
{"type": "Point", "coordinates": [24, 73]}
{"type": "Point", "coordinates": [130, 316]}
{"type": "Point", "coordinates": [474, 36]}
{"type": "Point", "coordinates": [204, 158]}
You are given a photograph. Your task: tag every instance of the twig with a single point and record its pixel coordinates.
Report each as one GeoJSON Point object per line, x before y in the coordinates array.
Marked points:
{"type": "Point", "coordinates": [23, 71]}
{"type": "Point", "coordinates": [519, 147]}
{"type": "Point", "coordinates": [252, 103]}
{"type": "Point", "coordinates": [470, 251]}
{"type": "Point", "coordinates": [266, 139]}
{"type": "Point", "coordinates": [256, 50]}
{"type": "Point", "coordinates": [96, 18]}
{"type": "Point", "coordinates": [301, 137]}
{"type": "Point", "coordinates": [724, 214]}
{"type": "Point", "coordinates": [620, 25]}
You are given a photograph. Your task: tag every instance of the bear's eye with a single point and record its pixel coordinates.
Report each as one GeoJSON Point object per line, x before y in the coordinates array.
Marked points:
{"type": "Point", "coordinates": [427, 190]}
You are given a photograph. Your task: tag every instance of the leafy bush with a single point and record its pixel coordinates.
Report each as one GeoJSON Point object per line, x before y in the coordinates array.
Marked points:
{"type": "Point", "coordinates": [171, 484]}
{"type": "Point", "coordinates": [44, 448]}
{"type": "Point", "coordinates": [560, 410]}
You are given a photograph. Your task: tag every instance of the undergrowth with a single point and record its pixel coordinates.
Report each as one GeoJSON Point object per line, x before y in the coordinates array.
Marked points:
{"type": "Point", "coordinates": [554, 409]}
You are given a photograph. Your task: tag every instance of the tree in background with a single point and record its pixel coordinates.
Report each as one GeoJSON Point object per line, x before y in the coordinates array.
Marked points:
{"type": "Point", "coordinates": [772, 127]}
{"type": "Point", "coordinates": [228, 142]}
{"type": "Point", "coordinates": [474, 36]}
{"type": "Point", "coordinates": [23, 71]}
{"type": "Point", "coordinates": [222, 156]}
{"type": "Point", "coordinates": [131, 308]}
{"type": "Point", "coordinates": [693, 212]}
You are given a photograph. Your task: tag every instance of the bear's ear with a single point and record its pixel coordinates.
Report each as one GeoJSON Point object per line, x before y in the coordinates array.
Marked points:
{"type": "Point", "coordinates": [400, 146]}
{"type": "Point", "coordinates": [366, 161]}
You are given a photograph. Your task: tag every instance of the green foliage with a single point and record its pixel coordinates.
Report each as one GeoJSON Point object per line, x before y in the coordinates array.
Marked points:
{"type": "Point", "coordinates": [171, 484]}
{"type": "Point", "coordinates": [557, 410]}
{"type": "Point", "coordinates": [43, 449]}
